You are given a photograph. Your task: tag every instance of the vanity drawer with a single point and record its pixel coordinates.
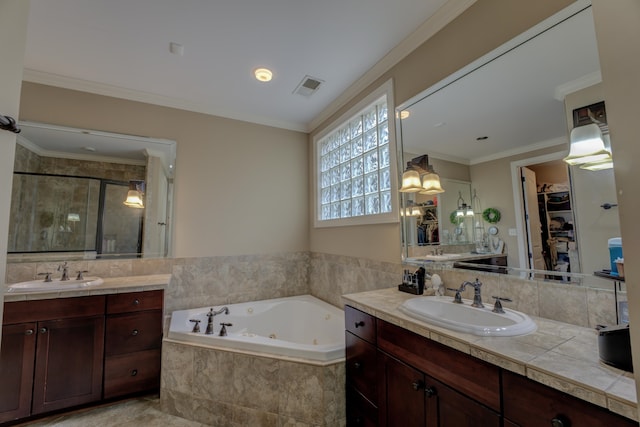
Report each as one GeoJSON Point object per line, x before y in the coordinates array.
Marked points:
{"type": "Point", "coordinates": [360, 324]}
{"type": "Point", "coordinates": [47, 309]}
{"type": "Point", "coordinates": [361, 366]}
{"type": "Point", "coordinates": [126, 333]}
{"type": "Point", "coordinates": [131, 373]}
{"type": "Point", "coordinates": [134, 301]}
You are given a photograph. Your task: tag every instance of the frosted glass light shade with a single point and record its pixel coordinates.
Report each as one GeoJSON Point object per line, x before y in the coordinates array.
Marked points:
{"type": "Point", "coordinates": [134, 199]}
{"type": "Point", "coordinates": [598, 166]}
{"type": "Point", "coordinates": [431, 184]}
{"type": "Point", "coordinates": [587, 145]}
{"type": "Point", "coordinates": [411, 182]}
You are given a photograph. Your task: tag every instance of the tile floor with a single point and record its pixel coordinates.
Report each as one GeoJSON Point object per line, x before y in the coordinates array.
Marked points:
{"type": "Point", "coordinates": [140, 412]}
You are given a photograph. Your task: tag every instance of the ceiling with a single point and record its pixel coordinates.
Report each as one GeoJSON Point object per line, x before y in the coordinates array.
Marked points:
{"type": "Point", "coordinates": [121, 48]}
{"type": "Point", "coordinates": [515, 100]}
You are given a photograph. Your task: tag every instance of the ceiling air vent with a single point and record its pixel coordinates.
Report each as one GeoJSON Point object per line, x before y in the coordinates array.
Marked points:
{"type": "Point", "coordinates": [308, 86]}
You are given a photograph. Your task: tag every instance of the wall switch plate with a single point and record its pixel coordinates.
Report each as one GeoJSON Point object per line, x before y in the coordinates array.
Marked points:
{"type": "Point", "coordinates": [513, 232]}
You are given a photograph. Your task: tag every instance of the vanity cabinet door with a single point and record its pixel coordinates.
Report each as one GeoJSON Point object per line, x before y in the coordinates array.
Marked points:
{"type": "Point", "coordinates": [68, 367]}
{"type": "Point", "coordinates": [402, 398]}
{"type": "Point", "coordinates": [450, 408]}
{"type": "Point", "coordinates": [16, 370]}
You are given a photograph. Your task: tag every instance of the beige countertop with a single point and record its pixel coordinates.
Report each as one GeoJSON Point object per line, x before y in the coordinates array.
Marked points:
{"type": "Point", "coordinates": [111, 285]}
{"type": "Point", "coordinates": [559, 355]}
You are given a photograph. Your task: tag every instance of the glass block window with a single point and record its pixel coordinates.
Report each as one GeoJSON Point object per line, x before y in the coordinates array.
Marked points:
{"type": "Point", "coordinates": [354, 166]}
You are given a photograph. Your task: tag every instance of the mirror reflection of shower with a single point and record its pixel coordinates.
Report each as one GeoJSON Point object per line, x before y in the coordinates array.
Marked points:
{"type": "Point", "coordinates": [52, 213]}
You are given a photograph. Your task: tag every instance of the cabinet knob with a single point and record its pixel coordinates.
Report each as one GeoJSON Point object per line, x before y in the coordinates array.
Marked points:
{"type": "Point", "coordinates": [134, 332]}
{"type": "Point", "coordinates": [136, 301]}
{"type": "Point", "coordinates": [429, 391]}
{"type": "Point", "coordinates": [360, 324]}
{"type": "Point", "coordinates": [29, 332]}
{"type": "Point", "coordinates": [417, 385]}
{"type": "Point", "coordinates": [43, 330]}
{"type": "Point", "coordinates": [357, 365]}
{"type": "Point", "coordinates": [134, 372]}
{"type": "Point", "coordinates": [560, 421]}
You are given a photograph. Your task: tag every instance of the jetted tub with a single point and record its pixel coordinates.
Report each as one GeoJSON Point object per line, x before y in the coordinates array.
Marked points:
{"type": "Point", "coordinates": [301, 327]}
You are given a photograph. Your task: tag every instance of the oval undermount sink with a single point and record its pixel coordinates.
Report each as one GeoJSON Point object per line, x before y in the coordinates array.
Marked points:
{"type": "Point", "coordinates": [54, 285]}
{"type": "Point", "coordinates": [442, 311]}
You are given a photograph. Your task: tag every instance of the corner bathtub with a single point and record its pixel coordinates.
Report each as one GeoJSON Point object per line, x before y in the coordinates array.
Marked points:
{"type": "Point", "coordinates": [301, 327]}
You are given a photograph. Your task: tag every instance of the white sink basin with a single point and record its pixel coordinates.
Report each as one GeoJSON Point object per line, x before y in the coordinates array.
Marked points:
{"type": "Point", "coordinates": [442, 311]}
{"type": "Point", "coordinates": [54, 285]}
{"type": "Point", "coordinates": [443, 257]}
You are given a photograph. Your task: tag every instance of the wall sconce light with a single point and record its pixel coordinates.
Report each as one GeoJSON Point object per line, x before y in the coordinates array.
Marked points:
{"type": "Point", "coordinates": [135, 194]}
{"type": "Point", "coordinates": [419, 177]}
{"type": "Point", "coordinates": [463, 208]}
{"type": "Point", "coordinates": [587, 146]}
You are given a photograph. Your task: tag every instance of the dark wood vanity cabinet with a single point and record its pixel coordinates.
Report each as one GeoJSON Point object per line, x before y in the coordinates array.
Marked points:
{"type": "Point", "coordinates": [65, 352]}
{"type": "Point", "coordinates": [391, 380]}
{"type": "Point", "coordinates": [420, 382]}
{"type": "Point", "coordinates": [51, 355]}
{"type": "Point", "coordinates": [132, 343]}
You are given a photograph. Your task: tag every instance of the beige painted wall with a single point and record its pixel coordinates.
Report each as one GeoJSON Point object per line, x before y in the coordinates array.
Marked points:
{"type": "Point", "coordinates": [13, 33]}
{"type": "Point", "coordinates": [240, 188]}
{"type": "Point", "coordinates": [481, 28]}
{"type": "Point", "coordinates": [618, 31]}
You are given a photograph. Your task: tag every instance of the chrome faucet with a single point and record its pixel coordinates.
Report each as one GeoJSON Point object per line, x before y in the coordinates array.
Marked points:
{"type": "Point", "coordinates": [211, 314]}
{"type": "Point", "coordinates": [477, 297]}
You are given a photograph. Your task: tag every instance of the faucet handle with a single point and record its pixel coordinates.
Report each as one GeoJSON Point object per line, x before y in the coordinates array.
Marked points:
{"type": "Point", "coordinates": [47, 276]}
{"type": "Point", "coordinates": [457, 298]}
{"type": "Point", "coordinates": [80, 274]}
{"type": "Point", "coordinates": [196, 325]}
{"type": "Point", "coordinates": [223, 330]}
{"type": "Point", "coordinates": [497, 307]}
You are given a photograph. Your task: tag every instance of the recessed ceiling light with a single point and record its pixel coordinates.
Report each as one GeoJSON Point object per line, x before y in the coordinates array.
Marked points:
{"type": "Point", "coordinates": [482, 138]}
{"type": "Point", "coordinates": [90, 149]}
{"type": "Point", "coordinates": [263, 74]}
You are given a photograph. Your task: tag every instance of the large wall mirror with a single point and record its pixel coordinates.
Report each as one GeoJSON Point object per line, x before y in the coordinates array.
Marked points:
{"type": "Point", "coordinates": [509, 112]}
{"type": "Point", "coordinates": [84, 194]}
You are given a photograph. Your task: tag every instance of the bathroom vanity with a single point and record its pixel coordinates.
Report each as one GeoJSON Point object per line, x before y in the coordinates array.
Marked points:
{"type": "Point", "coordinates": [404, 372]}
{"type": "Point", "coordinates": [70, 348]}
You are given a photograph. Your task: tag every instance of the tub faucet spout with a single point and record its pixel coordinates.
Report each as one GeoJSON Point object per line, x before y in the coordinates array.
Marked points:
{"type": "Point", "coordinates": [211, 314]}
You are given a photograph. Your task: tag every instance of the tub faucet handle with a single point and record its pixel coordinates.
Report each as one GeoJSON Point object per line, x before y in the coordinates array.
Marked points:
{"type": "Point", "coordinates": [196, 325]}
{"type": "Point", "coordinates": [223, 330]}
{"type": "Point", "coordinates": [80, 274]}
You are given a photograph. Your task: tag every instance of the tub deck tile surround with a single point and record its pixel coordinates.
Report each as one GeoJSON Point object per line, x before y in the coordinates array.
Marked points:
{"type": "Point", "coordinates": [226, 388]}
{"type": "Point", "coordinates": [559, 355]}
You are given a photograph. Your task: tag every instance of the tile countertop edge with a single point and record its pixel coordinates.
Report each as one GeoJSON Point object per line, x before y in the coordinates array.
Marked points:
{"type": "Point", "coordinates": [111, 285]}
{"type": "Point", "coordinates": [384, 304]}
